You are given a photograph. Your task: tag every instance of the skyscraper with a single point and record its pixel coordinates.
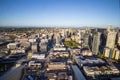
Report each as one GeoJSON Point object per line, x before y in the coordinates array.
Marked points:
{"type": "Point", "coordinates": [111, 36]}
{"type": "Point", "coordinates": [86, 39]}
{"type": "Point", "coordinates": [109, 27]}
{"type": "Point", "coordinates": [57, 38]}
{"type": "Point", "coordinates": [96, 43]}
{"type": "Point", "coordinates": [118, 38]}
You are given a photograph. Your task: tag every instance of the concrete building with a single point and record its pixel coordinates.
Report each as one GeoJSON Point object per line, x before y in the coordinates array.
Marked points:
{"type": "Point", "coordinates": [38, 56]}
{"type": "Point", "coordinates": [32, 40]}
{"type": "Point", "coordinates": [58, 71]}
{"type": "Point", "coordinates": [76, 38]}
{"type": "Point", "coordinates": [86, 39]}
{"type": "Point", "coordinates": [43, 45]}
{"type": "Point", "coordinates": [111, 36]}
{"type": "Point", "coordinates": [25, 45]}
{"type": "Point", "coordinates": [88, 61]}
{"type": "Point", "coordinates": [98, 71]}
{"type": "Point", "coordinates": [118, 41]}
{"type": "Point", "coordinates": [34, 47]}
{"type": "Point", "coordinates": [74, 51]}
{"type": "Point", "coordinates": [18, 50]}
{"type": "Point", "coordinates": [60, 54]}
{"type": "Point", "coordinates": [109, 28]}
{"type": "Point", "coordinates": [33, 63]}
{"type": "Point", "coordinates": [57, 38]}
{"type": "Point", "coordinates": [13, 45]}
{"type": "Point", "coordinates": [106, 52]}
{"type": "Point", "coordinates": [56, 66]}
{"type": "Point", "coordinates": [112, 53]}
{"type": "Point", "coordinates": [87, 53]}
{"type": "Point", "coordinates": [23, 39]}
{"type": "Point", "coordinates": [96, 43]}
{"type": "Point", "coordinates": [117, 56]}
{"type": "Point", "coordinates": [80, 37]}
{"type": "Point", "coordinates": [59, 48]}
{"type": "Point", "coordinates": [58, 75]}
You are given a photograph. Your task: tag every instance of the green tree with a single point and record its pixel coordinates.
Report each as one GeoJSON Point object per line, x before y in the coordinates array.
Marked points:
{"type": "Point", "coordinates": [71, 44]}
{"type": "Point", "coordinates": [101, 56]}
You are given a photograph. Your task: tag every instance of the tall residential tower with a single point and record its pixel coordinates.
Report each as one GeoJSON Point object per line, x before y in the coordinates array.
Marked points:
{"type": "Point", "coordinates": [96, 43]}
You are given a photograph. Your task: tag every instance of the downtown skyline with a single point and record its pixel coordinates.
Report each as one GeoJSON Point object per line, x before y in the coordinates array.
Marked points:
{"type": "Point", "coordinates": [93, 13]}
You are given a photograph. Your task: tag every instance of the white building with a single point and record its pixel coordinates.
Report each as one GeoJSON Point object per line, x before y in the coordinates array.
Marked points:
{"type": "Point", "coordinates": [33, 63]}
{"type": "Point", "coordinates": [12, 45]}
{"type": "Point", "coordinates": [38, 56]}
{"type": "Point", "coordinates": [60, 54]}
{"type": "Point", "coordinates": [59, 48]}
{"type": "Point", "coordinates": [111, 36]}
{"type": "Point", "coordinates": [32, 40]}
{"type": "Point", "coordinates": [18, 50]}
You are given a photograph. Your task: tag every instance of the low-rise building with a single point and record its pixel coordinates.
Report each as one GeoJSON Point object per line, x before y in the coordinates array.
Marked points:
{"type": "Point", "coordinates": [38, 56]}
{"type": "Point", "coordinates": [75, 51]}
{"type": "Point", "coordinates": [88, 61]}
{"type": "Point", "coordinates": [34, 47]}
{"type": "Point", "coordinates": [60, 54]}
{"type": "Point", "coordinates": [59, 48]}
{"type": "Point", "coordinates": [18, 50]}
{"type": "Point", "coordinates": [13, 45]}
{"type": "Point", "coordinates": [58, 71]}
{"type": "Point", "coordinates": [32, 40]}
{"type": "Point", "coordinates": [87, 53]}
{"type": "Point", "coordinates": [102, 70]}
{"type": "Point", "coordinates": [56, 66]}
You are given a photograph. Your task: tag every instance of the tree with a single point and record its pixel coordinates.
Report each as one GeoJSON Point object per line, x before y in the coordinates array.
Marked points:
{"type": "Point", "coordinates": [71, 44]}
{"type": "Point", "coordinates": [101, 56]}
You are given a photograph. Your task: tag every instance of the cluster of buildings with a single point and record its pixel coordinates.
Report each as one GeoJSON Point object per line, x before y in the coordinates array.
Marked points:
{"type": "Point", "coordinates": [49, 59]}
{"type": "Point", "coordinates": [24, 44]}
{"type": "Point", "coordinates": [105, 71]}
{"type": "Point", "coordinates": [112, 53]}
{"type": "Point", "coordinates": [58, 71]}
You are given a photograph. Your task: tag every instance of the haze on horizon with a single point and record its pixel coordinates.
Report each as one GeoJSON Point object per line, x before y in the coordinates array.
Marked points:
{"type": "Point", "coordinates": [97, 13]}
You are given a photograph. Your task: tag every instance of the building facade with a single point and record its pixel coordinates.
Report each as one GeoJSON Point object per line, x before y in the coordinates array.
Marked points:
{"type": "Point", "coordinates": [96, 43]}
{"type": "Point", "coordinates": [111, 36]}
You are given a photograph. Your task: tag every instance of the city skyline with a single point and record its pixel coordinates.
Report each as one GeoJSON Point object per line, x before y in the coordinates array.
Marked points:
{"type": "Point", "coordinates": [94, 13]}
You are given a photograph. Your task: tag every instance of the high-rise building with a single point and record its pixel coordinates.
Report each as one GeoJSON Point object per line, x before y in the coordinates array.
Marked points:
{"type": "Point", "coordinates": [109, 28]}
{"type": "Point", "coordinates": [117, 56]}
{"type": "Point", "coordinates": [96, 43]}
{"type": "Point", "coordinates": [34, 47]}
{"type": "Point", "coordinates": [43, 45]}
{"type": "Point", "coordinates": [57, 38]}
{"type": "Point", "coordinates": [111, 36]}
{"type": "Point", "coordinates": [106, 52]}
{"type": "Point", "coordinates": [118, 40]}
{"type": "Point", "coordinates": [86, 39]}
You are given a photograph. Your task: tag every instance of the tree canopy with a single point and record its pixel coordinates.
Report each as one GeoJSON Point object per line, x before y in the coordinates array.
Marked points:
{"type": "Point", "coordinates": [71, 44]}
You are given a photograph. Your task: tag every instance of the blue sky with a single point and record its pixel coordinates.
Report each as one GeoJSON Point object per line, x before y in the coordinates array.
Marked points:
{"type": "Point", "coordinates": [97, 13]}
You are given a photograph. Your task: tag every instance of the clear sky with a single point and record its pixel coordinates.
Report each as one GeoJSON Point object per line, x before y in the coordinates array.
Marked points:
{"type": "Point", "coordinates": [97, 13]}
